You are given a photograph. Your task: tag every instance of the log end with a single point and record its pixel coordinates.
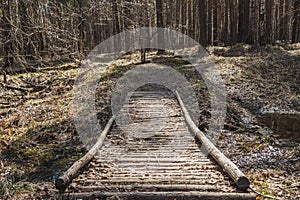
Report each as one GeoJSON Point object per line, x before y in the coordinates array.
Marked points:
{"type": "Point", "coordinates": [61, 183]}
{"type": "Point", "coordinates": [243, 183]}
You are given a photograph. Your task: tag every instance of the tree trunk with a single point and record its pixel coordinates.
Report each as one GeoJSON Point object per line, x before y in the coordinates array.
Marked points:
{"type": "Point", "coordinates": [127, 23]}
{"type": "Point", "coordinates": [296, 22]}
{"type": "Point", "coordinates": [268, 32]}
{"type": "Point", "coordinates": [80, 27]}
{"type": "Point", "coordinates": [8, 61]}
{"type": "Point", "coordinates": [159, 23]}
{"type": "Point", "coordinates": [116, 25]}
{"type": "Point", "coordinates": [244, 23]}
{"type": "Point", "coordinates": [215, 22]}
{"type": "Point", "coordinates": [226, 23]}
{"type": "Point", "coordinates": [202, 15]}
{"type": "Point", "coordinates": [281, 20]}
{"type": "Point", "coordinates": [233, 22]}
{"type": "Point", "coordinates": [209, 23]}
{"type": "Point", "coordinates": [287, 21]}
{"type": "Point", "coordinates": [261, 24]}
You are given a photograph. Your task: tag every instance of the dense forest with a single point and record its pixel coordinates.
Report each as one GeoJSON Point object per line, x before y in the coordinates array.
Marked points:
{"type": "Point", "coordinates": [34, 33]}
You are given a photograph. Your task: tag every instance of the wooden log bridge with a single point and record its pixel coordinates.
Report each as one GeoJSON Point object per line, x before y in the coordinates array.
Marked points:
{"type": "Point", "coordinates": [156, 156]}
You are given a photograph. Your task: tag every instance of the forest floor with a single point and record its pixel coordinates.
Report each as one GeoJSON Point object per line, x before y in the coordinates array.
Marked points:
{"type": "Point", "coordinates": [38, 140]}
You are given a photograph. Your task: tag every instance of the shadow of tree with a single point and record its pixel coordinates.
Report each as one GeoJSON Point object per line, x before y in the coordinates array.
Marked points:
{"type": "Point", "coordinates": [45, 151]}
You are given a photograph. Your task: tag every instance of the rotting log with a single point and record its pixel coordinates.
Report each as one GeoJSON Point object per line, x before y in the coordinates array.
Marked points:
{"type": "Point", "coordinates": [62, 182]}
{"type": "Point", "coordinates": [229, 167]}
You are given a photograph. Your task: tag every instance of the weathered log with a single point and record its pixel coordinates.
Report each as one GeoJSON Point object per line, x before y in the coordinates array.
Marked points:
{"type": "Point", "coordinates": [229, 167]}
{"type": "Point", "coordinates": [160, 195]}
{"type": "Point", "coordinates": [62, 182]}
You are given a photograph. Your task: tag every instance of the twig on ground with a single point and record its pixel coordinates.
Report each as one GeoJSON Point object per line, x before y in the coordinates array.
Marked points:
{"type": "Point", "coordinates": [295, 185]}
{"type": "Point", "coordinates": [263, 195]}
{"type": "Point", "coordinates": [15, 87]}
{"type": "Point", "coordinates": [13, 105]}
{"type": "Point", "coordinates": [35, 87]}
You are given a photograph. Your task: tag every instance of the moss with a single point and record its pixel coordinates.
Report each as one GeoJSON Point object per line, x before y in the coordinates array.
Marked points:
{"type": "Point", "coordinates": [246, 147]}
{"type": "Point", "coordinates": [36, 154]}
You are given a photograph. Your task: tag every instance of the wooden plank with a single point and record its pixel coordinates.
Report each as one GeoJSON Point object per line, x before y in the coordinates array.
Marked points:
{"type": "Point", "coordinates": [162, 195]}
{"type": "Point", "coordinates": [143, 180]}
{"type": "Point", "coordinates": [210, 174]}
{"type": "Point", "coordinates": [141, 166]}
{"type": "Point", "coordinates": [147, 160]}
{"type": "Point", "coordinates": [155, 156]}
{"type": "Point", "coordinates": [154, 146]}
{"type": "Point", "coordinates": [158, 174]}
{"type": "Point", "coordinates": [196, 165]}
{"type": "Point", "coordinates": [201, 179]}
{"type": "Point", "coordinates": [155, 187]}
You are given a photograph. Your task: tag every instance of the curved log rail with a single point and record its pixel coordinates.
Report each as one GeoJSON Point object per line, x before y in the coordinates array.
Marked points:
{"type": "Point", "coordinates": [229, 167]}
{"type": "Point", "coordinates": [62, 182]}
{"type": "Point", "coordinates": [149, 166]}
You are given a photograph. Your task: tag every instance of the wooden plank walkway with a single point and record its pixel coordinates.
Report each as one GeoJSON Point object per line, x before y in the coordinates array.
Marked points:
{"type": "Point", "coordinates": [153, 157]}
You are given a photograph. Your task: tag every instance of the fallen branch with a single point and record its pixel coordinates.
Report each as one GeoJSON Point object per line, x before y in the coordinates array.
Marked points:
{"type": "Point", "coordinates": [294, 185]}
{"type": "Point", "coordinates": [60, 67]}
{"type": "Point", "coordinates": [229, 167]}
{"type": "Point", "coordinates": [31, 68]}
{"type": "Point", "coordinates": [4, 103]}
{"type": "Point", "coordinates": [13, 105]}
{"type": "Point", "coordinates": [34, 86]}
{"type": "Point", "coordinates": [62, 182]}
{"type": "Point", "coordinates": [15, 87]}
{"type": "Point", "coordinates": [263, 195]}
